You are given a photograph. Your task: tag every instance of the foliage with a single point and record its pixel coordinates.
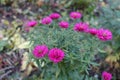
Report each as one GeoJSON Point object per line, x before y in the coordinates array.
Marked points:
{"type": "Point", "coordinates": [82, 4]}
{"type": "Point", "coordinates": [110, 18]}
{"type": "Point", "coordinates": [3, 43]}
{"type": "Point", "coordinates": [48, 6]}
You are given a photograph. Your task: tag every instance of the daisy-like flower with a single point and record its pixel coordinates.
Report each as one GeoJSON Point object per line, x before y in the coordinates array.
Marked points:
{"type": "Point", "coordinates": [81, 27]}
{"type": "Point", "coordinates": [40, 51]}
{"type": "Point", "coordinates": [46, 21]}
{"type": "Point", "coordinates": [31, 23]}
{"type": "Point", "coordinates": [56, 55]}
{"type": "Point", "coordinates": [93, 31]}
{"type": "Point", "coordinates": [104, 34]}
{"type": "Point", "coordinates": [54, 16]}
{"type": "Point", "coordinates": [106, 76]}
{"type": "Point", "coordinates": [75, 15]}
{"type": "Point", "coordinates": [64, 24]}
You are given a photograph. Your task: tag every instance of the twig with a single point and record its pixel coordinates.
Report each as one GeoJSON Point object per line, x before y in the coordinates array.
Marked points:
{"type": "Point", "coordinates": [2, 76]}
{"type": "Point", "coordinates": [6, 68]}
{"type": "Point", "coordinates": [9, 62]}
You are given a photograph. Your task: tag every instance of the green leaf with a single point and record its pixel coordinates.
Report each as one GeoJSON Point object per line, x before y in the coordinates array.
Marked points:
{"type": "Point", "coordinates": [102, 51]}
{"type": "Point", "coordinates": [3, 43]}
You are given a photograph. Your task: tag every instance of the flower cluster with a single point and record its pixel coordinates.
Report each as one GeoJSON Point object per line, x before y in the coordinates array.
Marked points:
{"type": "Point", "coordinates": [101, 34]}
{"type": "Point", "coordinates": [55, 54]}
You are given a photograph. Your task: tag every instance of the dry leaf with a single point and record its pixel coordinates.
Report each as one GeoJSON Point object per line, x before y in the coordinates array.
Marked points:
{"type": "Point", "coordinates": [111, 58]}
{"type": "Point", "coordinates": [17, 40]}
{"type": "Point", "coordinates": [24, 45]}
{"type": "Point", "coordinates": [40, 3]}
{"type": "Point", "coordinates": [5, 22]}
{"type": "Point", "coordinates": [24, 61]}
{"type": "Point", "coordinates": [108, 49]}
{"type": "Point", "coordinates": [27, 67]}
{"type": "Point", "coordinates": [117, 65]}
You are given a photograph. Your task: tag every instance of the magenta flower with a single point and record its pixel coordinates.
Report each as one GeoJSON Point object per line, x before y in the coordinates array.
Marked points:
{"type": "Point", "coordinates": [46, 20]}
{"type": "Point", "coordinates": [106, 76]}
{"type": "Point", "coordinates": [56, 55]}
{"type": "Point", "coordinates": [93, 31]}
{"type": "Point", "coordinates": [64, 24]}
{"type": "Point", "coordinates": [40, 51]}
{"type": "Point", "coordinates": [75, 15]}
{"type": "Point", "coordinates": [81, 27]}
{"type": "Point", "coordinates": [104, 34]}
{"type": "Point", "coordinates": [31, 23]}
{"type": "Point", "coordinates": [54, 16]}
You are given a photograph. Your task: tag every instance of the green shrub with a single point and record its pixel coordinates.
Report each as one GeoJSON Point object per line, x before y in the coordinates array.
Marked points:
{"type": "Point", "coordinates": [79, 47]}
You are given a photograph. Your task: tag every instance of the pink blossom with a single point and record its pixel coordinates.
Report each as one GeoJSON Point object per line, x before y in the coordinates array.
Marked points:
{"type": "Point", "coordinates": [81, 27]}
{"type": "Point", "coordinates": [106, 76]}
{"type": "Point", "coordinates": [104, 34]}
{"type": "Point", "coordinates": [93, 31]}
{"type": "Point", "coordinates": [64, 24]}
{"type": "Point", "coordinates": [46, 20]}
{"type": "Point", "coordinates": [75, 15]}
{"type": "Point", "coordinates": [56, 55]}
{"type": "Point", "coordinates": [54, 16]}
{"type": "Point", "coordinates": [31, 23]}
{"type": "Point", "coordinates": [40, 51]}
